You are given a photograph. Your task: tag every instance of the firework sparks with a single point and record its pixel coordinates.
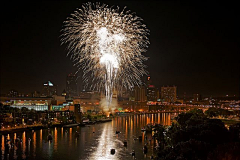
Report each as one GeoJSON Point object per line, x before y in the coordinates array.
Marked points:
{"type": "Point", "coordinates": [107, 45]}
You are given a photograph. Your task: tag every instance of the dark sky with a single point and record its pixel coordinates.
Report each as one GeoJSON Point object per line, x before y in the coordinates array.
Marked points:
{"type": "Point", "coordinates": [193, 45]}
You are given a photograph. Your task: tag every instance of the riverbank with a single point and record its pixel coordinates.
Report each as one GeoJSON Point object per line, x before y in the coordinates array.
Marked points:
{"type": "Point", "coordinates": [40, 126]}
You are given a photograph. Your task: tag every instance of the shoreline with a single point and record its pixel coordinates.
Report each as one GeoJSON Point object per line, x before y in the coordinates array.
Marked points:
{"type": "Point", "coordinates": [29, 128]}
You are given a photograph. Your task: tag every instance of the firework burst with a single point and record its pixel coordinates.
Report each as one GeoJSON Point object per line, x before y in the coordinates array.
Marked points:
{"type": "Point", "coordinates": [108, 45]}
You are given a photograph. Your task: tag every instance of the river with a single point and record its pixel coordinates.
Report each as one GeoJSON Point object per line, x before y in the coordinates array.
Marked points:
{"type": "Point", "coordinates": [93, 143]}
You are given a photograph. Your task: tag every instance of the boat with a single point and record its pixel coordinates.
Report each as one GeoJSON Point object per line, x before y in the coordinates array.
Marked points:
{"type": "Point", "coordinates": [145, 149]}
{"type": "Point", "coordinates": [85, 120]}
{"type": "Point", "coordinates": [125, 143]}
{"type": "Point", "coordinates": [77, 134]}
{"type": "Point", "coordinates": [133, 153]}
{"type": "Point", "coordinates": [17, 140]}
{"type": "Point", "coordinates": [49, 137]}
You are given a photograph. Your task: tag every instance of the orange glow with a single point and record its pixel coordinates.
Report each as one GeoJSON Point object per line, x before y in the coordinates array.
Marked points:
{"type": "Point", "coordinates": [126, 130]}
{"type": "Point", "coordinates": [70, 136]}
{"type": "Point", "coordinates": [15, 136]}
{"type": "Point", "coordinates": [148, 120]}
{"type": "Point", "coordinates": [62, 132]}
{"type": "Point", "coordinates": [107, 114]}
{"type": "Point", "coordinates": [41, 138]}
{"type": "Point", "coordinates": [55, 138]}
{"type": "Point", "coordinates": [2, 142]}
{"type": "Point", "coordinates": [34, 141]}
{"type": "Point", "coordinates": [24, 141]}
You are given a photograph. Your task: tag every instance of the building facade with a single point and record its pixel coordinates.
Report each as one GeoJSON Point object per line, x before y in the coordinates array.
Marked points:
{"type": "Point", "coordinates": [140, 94]}
{"type": "Point", "coordinates": [49, 89]}
{"type": "Point", "coordinates": [71, 86]}
{"type": "Point", "coordinates": [169, 94]}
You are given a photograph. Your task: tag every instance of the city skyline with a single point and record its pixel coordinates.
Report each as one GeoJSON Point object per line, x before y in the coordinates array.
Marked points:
{"type": "Point", "coordinates": [119, 80]}
{"type": "Point", "coordinates": [191, 48]}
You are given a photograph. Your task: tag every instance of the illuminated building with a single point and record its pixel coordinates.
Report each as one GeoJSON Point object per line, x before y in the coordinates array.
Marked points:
{"type": "Point", "coordinates": [169, 94]}
{"type": "Point", "coordinates": [77, 109]}
{"type": "Point", "coordinates": [64, 93]}
{"type": "Point", "coordinates": [71, 86]}
{"type": "Point", "coordinates": [13, 93]}
{"type": "Point", "coordinates": [88, 104]}
{"type": "Point", "coordinates": [58, 100]}
{"type": "Point", "coordinates": [140, 94]}
{"type": "Point", "coordinates": [49, 89]}
{"type": "Point", "coordinates": [152, 91]}
{"type": "Point", "coordinates": [197, 97]}
{"type": "Point", "coordinates": [36, 94]}
{"type": "Point", "coordinates": [124, 94]}
{"type": "Point", "coordinates": [77, 112]}
{"type": "Point", "coordinates": [36, 103]}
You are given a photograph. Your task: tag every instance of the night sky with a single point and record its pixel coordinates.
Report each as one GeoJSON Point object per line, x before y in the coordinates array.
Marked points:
{"type": "Point", "coordinates": [193, 45]}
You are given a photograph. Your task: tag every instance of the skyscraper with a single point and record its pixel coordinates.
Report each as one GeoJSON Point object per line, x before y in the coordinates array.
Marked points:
{"type": "Point", "coordinates": [71, 85]}
{"type": "Point", "coordinates": [13, 93]}
{"type": "Point", "coordinates": [197, 97]}
{"type": "Point", "coordinates": [49, 89]}
{"type": "Point", "coordinates": [169, 94]}
{"type": "Point", "coordinates": [140, 94]}
{"type": "Point", "coordinates": [152, 91]}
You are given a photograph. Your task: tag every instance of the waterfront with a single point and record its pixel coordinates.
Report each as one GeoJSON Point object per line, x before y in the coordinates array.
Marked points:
{"type": "Point", "coordinates": [94, 142]}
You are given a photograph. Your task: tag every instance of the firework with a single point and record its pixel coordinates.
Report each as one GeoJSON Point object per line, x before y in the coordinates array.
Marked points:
{"type": "Point", "coordinates": [108, 45]}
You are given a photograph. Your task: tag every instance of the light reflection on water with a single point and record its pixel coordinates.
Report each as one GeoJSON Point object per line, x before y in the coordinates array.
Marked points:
{"type": "Point", "coordinates": [93, 142]}
{"type": "Point", "coordinates": [104, 146]}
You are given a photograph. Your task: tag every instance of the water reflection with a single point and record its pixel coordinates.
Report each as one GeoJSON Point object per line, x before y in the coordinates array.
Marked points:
{"type": "Point", "coordinates": [23, 145]}
{"type": "Point", "coordinates": [2, 148]}
{"type": "Point", "coordinates": [70, 137]}
{"type": "Point", "coordinates": [105, 144]}
{"type": "Point", "coordinates": [55, 138]}
{"type": "Point", "coordinates": [34, 143]}
{"type": "Point", "coordinates": [93, 142]}
{"type": "Point", "coordinates": [15, 136]}
{"type": "Point", "coordinates": [40, 138]}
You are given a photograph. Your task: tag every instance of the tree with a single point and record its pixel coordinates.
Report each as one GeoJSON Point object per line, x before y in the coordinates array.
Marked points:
{"type": "Point", "coordinates": [228, 151]}
{"type": "Point", "coordinates": [194, 136]}
{"type": "Point", "coordinates": [189, 150]}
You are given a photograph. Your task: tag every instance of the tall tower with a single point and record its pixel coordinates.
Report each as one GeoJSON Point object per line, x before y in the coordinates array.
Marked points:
{"type": "Point", "coordinates": [49, 89]}
{"type": "Point", "coordinates": [169, 94]}
{"type": "Point", "coordinates": [151, 91]}
{"type": "Point", "coordinates": [71, 85]}
{"type": "Point", "coordinates": [140, 94]}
